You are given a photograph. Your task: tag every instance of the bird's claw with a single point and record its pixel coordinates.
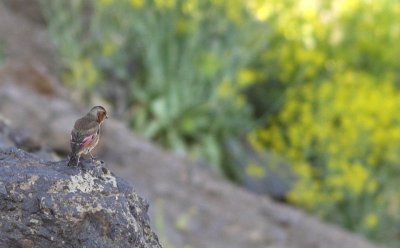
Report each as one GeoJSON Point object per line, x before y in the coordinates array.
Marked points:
{"type": "Point", "coordinates": [92, 157]}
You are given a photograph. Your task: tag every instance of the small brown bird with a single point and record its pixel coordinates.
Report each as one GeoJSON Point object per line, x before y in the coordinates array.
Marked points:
{"type": "Point", "coordinates": [86, 134]}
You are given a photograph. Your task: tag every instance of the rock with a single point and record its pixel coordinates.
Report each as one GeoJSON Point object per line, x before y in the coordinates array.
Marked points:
{"type": "Point", "coordinates": [10, 137]}
{"type": "Point", "coordinates": [31, 75]}
{"type": "Point", "coordinates": [24, 41]}
{"type": "Point", "coordinates": [5, 140]}
{"type": "Point", "coordinates": [48, 204]}
{"type": "Point", "coordinates": [27, 8]}
{"type": "Point", "coordinates": [27, 118]}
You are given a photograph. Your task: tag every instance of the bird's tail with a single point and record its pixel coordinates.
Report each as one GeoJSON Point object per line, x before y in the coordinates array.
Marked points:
{"type": "Point", "coordinates": [73, 160]}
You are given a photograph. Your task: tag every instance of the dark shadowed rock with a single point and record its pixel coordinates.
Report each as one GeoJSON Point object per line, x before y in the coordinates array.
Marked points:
{"type": "Point", "coordinates": [47, 204]}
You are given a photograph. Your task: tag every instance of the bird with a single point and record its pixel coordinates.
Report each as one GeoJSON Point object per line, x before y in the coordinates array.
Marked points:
{"type": "Point", "coordinates": [86, 134]}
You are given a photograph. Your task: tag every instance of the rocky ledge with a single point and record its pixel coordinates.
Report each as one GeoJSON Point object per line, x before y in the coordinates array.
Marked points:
{"type": "Point", "coordinates": [47, 204]}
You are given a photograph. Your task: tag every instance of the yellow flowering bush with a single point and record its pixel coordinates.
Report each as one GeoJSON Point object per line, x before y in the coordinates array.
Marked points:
{"type": "Point", "coordinates": [331, 82]}
{"type": "Point", "coordinates": [343, 139]}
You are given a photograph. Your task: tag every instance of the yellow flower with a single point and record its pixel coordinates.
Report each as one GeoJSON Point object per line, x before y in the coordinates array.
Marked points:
{"type": "Point", "coordinates": [356, 175]}
{"type": "Point", "coordinates": [83, 74]}
{"type": "Point", "coordinates": [190, 7]}
{"type": "Point", "coordinates": [308, 8]}
{"type": "Point", "coordinates": [256, 171]}
{"type": "Point", "coordinates": [165, 4]}
{"type": "Point", "coordinates": [261, 10]}
{"type": "Point", "coordinates": [246, 77]}
{"type": "Point", "coordinates": [137, 3]}
{"type": "Point", "coordinates": [371, 220]}
{"type": "Point", "coordinates": [254, 142]}
{"type": "Point", "coordinates": [303, 170]}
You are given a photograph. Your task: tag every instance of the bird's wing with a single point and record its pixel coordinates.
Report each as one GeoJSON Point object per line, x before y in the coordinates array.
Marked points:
{"type": "Point", "coordinates": [86, 127]}
{"type": "Point", "coordinates": [83, 134]}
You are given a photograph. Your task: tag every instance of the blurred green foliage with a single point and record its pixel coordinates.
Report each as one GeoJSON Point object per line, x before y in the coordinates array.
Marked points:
{"type": "Point", "coordinates": [316, 82]}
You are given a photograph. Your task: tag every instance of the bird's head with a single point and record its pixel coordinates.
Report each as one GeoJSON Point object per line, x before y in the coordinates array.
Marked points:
{"type": "Point", "coordinates": [99, 113]}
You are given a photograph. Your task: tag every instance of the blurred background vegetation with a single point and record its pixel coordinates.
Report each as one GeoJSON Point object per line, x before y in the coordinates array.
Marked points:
{"type": "Point", "coordinates": [236, 83]}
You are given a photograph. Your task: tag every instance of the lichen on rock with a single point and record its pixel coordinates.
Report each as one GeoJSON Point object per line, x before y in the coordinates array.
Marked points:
{"type": "Point", "coordinates": [47, 204]}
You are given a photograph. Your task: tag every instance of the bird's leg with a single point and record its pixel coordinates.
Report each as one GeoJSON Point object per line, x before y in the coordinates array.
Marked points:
{"type": "Point", "coordinates": [91, 156]}
{"type": "Point", "coordinates": [77, 160]}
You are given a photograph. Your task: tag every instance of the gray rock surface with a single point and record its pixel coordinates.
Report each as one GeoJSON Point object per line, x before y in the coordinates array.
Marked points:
{"type": "Point", "coordinates": [47, 204]}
